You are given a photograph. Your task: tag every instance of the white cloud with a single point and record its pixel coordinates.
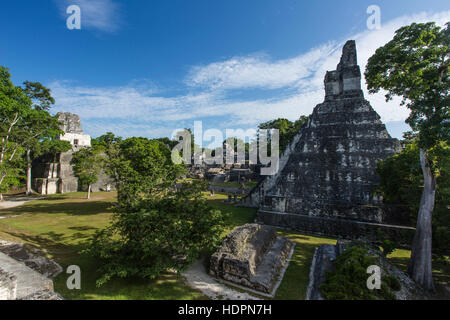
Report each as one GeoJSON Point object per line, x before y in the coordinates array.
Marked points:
{"type": "Point", "coordinates": [305, 72]}
{"type": "Point", "coordinates": [98, 127]}
{"type": "Point", "coordinates": [102, 15]}
{"type": "Point", "coordinates": [127, 102]}
{"type": "Point", "coordinates": [258, 71]}
{"type": "Point", "coordinates": [298, 82]}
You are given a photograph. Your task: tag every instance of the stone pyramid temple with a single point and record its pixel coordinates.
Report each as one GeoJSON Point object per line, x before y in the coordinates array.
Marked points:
{"type": "Point", "coordinates": [327, 174]}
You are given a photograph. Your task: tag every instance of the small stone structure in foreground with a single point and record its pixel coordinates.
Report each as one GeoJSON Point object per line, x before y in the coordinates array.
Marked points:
{"type": "Point", "coordinates": [19, 282]}
{"type": "Point", "coordinates": [25, 275]}
{"type": "Point", "coordinates": [252, 255]}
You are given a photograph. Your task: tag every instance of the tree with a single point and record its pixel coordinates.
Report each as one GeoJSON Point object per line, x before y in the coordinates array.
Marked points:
{"type": "Point", "coordinates": [87, 163]}
{"type": "Point", "coordinates": [11, 170]}
{"type": "Point", "coordinates": [168, 142]}
{"type": "Point", "coordinates": [109, 144]}
{"type": "Point", "coordinates": [25, 123]}
{"type": "Point", "coordinates": [138, 166]}
{"type": "Point", "coordinates": [414, 65]}
{"type": "Point", "coordinates": [15, 106]}
{"type": "Point", "coordinates": [287, 129]}
{"type": "Point", "coordinates": [156, 226]}
{"type": "Point", "coordinates": [52, 147]}
{"type": "Point", "coordinates": [39, 124]}
{"type": "Point", "coordinates": [40, 95]}
{"type": "Point", "coordinates": [158, 234]}
{"type": "Point", "coordinates": [401, 185]}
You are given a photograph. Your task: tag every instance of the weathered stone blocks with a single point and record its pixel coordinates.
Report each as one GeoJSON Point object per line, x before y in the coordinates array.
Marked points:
{"type": "Point", "coordinates": [8, 285]}
{"type": "Point", "coordinates": [251, 255]}
{"type": "Point", "coordinates": [337, 227]}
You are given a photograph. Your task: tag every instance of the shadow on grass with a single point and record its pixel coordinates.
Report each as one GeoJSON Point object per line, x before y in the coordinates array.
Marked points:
{"type": "Point", "coordinates": [73, 238]}
{"type": "Point", "coordinates": [57, 250]}
{"type": "Point", "coordinates": [167, 286]}
{"type": "Point", "coordinates": [78, 208]}
{"type": "Point", "coordinates": [83, 228]}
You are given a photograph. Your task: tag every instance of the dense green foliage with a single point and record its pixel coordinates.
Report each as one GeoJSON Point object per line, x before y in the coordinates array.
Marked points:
{"type": "Point", "coordinates": [140, 167]}
{"type": "Point", "coordinates": [391, 282]}
{"type": "Point", "coordinates": [12, 170]}
{"type": "Point", "coordinates": [144, 168]}
{"type": "Point", "coordinates": [159, 234]}
{"type": "Point", "coordinates": [14, 109]}
{"type": "Point", "coordinates": [401, 184]}
{"type": "Point", "coordinates": [156, 227]}
{"type": "Point", "coordinates": [349, 281]}
{"type": "Point", "coordinates": [25, 124]}
{"type": "Point", "coordinates": [414, 65]}
{"type": "Point", "coordinates": [287, 129]}
{"type": "Point", "coordinates": [52, 147]}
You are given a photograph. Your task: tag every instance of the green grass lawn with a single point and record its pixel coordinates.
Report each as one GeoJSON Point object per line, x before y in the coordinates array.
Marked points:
{"type": "Point", "coordinates": [228, 184]}
{"type": "Point", "coordinates": [61, 224]}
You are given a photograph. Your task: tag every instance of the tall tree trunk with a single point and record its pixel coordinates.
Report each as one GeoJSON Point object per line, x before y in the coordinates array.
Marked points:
{"type": "Point", "coordinates": [28, 192]}
{"type": "Point", "coordinates": [89, 192]}
{"type": "Point", "coordinates": [420, 264]}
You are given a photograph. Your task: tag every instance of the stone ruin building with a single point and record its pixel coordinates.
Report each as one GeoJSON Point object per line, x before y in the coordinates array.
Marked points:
{"type": "Point", "coordinates": [55, 175]}
{"type": "Point", "coordinates": [327, 174]}
{"type": "Point", "coordinates": [73, 132]}
{"type": "Point", "coordinates": [252, 255]}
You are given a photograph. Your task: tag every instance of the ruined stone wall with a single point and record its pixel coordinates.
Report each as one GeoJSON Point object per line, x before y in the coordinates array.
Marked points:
{"type": "Point", "coordinates": [252, 255]}
{"type": "Point", "coordinates": [338, 228]}
{"type": "Point", "coordinates": [52, 176]}
{"type": "Point", "coordinates": [73, 132]}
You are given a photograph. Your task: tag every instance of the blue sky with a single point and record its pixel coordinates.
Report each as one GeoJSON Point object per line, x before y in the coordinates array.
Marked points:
{"type": "Point", "coordinates": [146, 68]}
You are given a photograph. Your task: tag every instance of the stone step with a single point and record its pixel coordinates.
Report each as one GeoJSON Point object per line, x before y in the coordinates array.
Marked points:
{"type": "Point", "coordinates": [28, 281]}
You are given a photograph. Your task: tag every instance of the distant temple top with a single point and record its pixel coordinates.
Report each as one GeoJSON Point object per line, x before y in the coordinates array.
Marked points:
{"type": "Point", "coordinates": [73, 130]}
{"type": "Point", "coordinates": [346, 79]}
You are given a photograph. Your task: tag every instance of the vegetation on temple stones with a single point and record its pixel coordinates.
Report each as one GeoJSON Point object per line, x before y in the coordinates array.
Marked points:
{"type": "Point", "coordinates": [87, 163]}
{"type": "Point", "coordinates": [287, 129]}
{"type": "Point", "coordinates": [349, 281]}
{"type": "Point", "coordinates": [414, 65]}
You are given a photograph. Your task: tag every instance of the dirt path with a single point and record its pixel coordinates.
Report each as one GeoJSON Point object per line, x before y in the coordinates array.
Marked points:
{"type": "Point", "coordinates": [11, 202]}
{"type": "Point", "coordinates": [197, 278]}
